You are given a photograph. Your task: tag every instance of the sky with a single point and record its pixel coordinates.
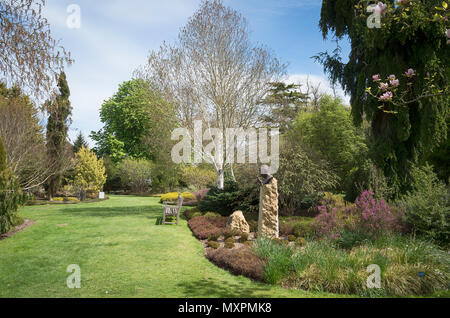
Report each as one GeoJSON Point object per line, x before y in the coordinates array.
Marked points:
{"type": "Point", "coordinates": [115, 37]}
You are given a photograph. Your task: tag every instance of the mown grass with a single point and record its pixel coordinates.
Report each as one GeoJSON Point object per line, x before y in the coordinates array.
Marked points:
{"type": "Point", "coordinates": [122, 252]}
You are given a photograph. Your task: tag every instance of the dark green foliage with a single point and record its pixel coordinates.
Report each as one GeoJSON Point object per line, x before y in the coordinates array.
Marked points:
{"type": "Point", "coordinates": [350, 239]}
{"type": "Point", "coordinates": [213, 244]}
{"type": "Point", "coordinates": [285, 101]}
{"type": "Point", "coordinates": [331, 133]}
{"type": "Point", "coordinates": [411, 37]}
{"type": "Point", "coordinates": [303, 229]}
{"type": "Point", "coordinates": [11, 198]}
{"type": "Point", "coordinates": [291, 238]}
{"type": "Point", "coordinates": [230, 199]}
{"type": "Point", "coordinates": [2, 156]}
{"type": "Point", "coordinates": [58, 122]}
{"type": "Point", "coordinates": [79, 143]}
{"type": "Point", "coordinates": [367, 176]}
{"type": "Point", "coordinates": [253, 224]}
{"type": "Point", "coordinates": [302, 172]}
{"type": "Point", "coordinates": [427, 205]}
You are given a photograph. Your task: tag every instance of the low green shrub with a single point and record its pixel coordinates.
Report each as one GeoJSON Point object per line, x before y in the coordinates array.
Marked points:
{"type": "Point", "coordinates": [249, 243]}
{"type": "Point", "coordinates": [213, 244]}
{"type": "Point", "coordinates": [211, 214]}
{"type": "Point", "coordinates": [229, 244]}
{"type": "Point", "coordinates": [188, 214]}
{"type": "Point", "coordinates": [11, 197]}
{"type": "Point", "coordinates": [229, 240]}
{"type": "Point", "coordinates": [427, 206]}
{"type": "Point", "coordinates": [304, 228]}
{"type": "Point", "coordinates": [300, 241]}
{"type": "Point", "coordinates": [229, 233]}
{"type": "Point", "coordinates": [214, 236]}
{"type": "Point", "coordinates": [349, 239]}
{"type": "Point", "coordinates": [243, 238]}
{"type": "Point", "coordinates": [291, 238]}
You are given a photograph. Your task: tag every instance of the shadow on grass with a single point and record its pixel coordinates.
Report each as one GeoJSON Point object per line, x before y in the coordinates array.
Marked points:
{"type": "Point", "coordinates": [209, 287]}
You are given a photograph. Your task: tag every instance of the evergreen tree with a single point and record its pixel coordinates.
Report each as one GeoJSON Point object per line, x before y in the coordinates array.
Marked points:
{"type": "Point", "coordinates": [58, 123]}
{"type": "Point", "coordinates": [285, 102]}
{"type": "Point", "coordinates": [79, 143]}
{"type": "Point", "coordinates": [408, 110]}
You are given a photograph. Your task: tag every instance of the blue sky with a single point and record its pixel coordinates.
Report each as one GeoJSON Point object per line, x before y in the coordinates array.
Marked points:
{"type": "Point", "coordinates": [116, 35]}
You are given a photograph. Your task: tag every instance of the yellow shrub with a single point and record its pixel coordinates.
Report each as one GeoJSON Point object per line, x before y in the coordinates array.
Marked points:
{"type": "Point", "coordinates": [173, 196]}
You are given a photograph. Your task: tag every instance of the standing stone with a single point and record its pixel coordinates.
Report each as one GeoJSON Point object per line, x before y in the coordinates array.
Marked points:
{"type": "Point", "coordinates": [268, 206]}
{"type": "Point", "coordinates": [237, 222]}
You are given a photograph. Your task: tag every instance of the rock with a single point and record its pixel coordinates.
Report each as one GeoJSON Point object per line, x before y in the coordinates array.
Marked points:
{"type": "Point", "coordinates": [237, 222]}
{"type": "Point", "coordinates": [268, 210]}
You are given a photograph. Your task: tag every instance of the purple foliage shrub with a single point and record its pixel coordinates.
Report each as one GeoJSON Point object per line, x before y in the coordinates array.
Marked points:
{"type": "Point", "coordinates": [368, 216]}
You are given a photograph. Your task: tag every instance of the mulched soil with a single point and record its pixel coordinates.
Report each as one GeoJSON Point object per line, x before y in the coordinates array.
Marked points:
{"type": "Point", "coordinates": [17, 229]}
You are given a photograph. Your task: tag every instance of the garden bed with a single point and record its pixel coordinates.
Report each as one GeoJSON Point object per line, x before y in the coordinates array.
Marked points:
{"type": "Point", "coordinates": [46, 202]}
{"type": "Point", "coordinates": [17, 229]}
{"type": "Point", "coordinates": [409, 266]}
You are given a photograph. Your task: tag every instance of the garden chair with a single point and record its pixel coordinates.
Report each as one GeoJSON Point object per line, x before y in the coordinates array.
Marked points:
{"type": "Point", "coordinates": [172, 211]}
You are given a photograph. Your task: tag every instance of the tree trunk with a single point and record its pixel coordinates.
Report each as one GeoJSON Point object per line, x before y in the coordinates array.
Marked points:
{"type": "Point", "coordinates": [220, 178]}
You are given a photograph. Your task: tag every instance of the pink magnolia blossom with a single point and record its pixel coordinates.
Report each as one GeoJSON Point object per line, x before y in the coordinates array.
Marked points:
{"type": "Point", "coordinates": [395, 82]}
{"type": "Point", "coordinates": [384, 86]}
{"type": "Point", "coordinates": [392, 77]}
{"type": "Point", "coordinates": [376, 77]}
{"type": "Point", "coordinates": [410, 73]}
{"type": "Point", "coordinates": [386, 96]}
{"type": "Point", "coordinates": [381, 7]}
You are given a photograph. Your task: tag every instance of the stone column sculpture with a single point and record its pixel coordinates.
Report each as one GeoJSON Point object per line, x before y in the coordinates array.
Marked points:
{"type": "Point", "coordinates": [268, 204]}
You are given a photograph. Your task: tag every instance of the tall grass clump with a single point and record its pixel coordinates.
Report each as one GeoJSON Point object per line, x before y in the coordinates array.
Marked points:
{"type": "Point", "coordinates": [409, 266]}
{"type": "Point", "coordinates": [277, 257]}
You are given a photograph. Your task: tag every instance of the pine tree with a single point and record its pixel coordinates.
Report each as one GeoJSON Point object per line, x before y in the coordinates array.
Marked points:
{"type": "Point", "coordinates": [79, 143]}
{"type": "Point", "coordinates": [285, 101]}
{"type": "Point", "coordinates": [58, 123]}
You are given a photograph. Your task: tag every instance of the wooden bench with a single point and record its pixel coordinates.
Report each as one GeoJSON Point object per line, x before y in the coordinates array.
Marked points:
{"type": "Point", "coordinates": [172, 210]}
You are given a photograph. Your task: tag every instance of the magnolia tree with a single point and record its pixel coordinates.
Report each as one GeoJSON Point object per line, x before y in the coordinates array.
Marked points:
{"type": "Point", "coordinates": [215, 75]}
{"type": "Point", "coordinates": [397, 75]}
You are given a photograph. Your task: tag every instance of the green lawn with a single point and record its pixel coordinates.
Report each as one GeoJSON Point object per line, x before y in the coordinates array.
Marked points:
{"type": "Point", "coordinates": [122, 252]}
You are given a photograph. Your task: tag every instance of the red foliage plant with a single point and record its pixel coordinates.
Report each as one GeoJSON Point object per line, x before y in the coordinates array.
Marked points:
{"type": "Point", "coordinates": [203, 227]}
{"type": "Point", "coordinates": [241, 261]}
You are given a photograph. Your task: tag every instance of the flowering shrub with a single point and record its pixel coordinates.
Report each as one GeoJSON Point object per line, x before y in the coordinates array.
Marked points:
{"type": "Point", "coordinates": [327, 224]}
{"type": "Point", "coordinates": [368, 216]}
{"type": "Point", "coordinates": [373, 217]}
